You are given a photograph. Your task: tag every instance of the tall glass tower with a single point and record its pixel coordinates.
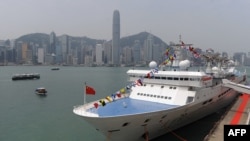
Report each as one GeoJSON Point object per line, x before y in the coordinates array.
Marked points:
{"type": "Point", "coordinates": [52, 46]}
{"type": "Point", "coordinates": [116, 39]}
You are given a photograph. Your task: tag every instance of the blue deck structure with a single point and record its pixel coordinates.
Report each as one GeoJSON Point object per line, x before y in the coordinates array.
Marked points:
{"type": "Point", "coordinates": [128, 106]}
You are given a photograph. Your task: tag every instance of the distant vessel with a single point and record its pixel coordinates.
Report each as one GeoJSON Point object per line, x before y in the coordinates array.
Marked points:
{"type": "Point", "coordinates": [41, 91]}
{"type": "Point", "coordinates": [158, 101]}
{"type": "Point", "coordinates": [26, 76]}
{"type": "Point", "coordinates": [56, 68]}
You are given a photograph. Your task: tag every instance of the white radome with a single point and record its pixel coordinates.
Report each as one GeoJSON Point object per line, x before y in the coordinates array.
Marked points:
{"type": "Point", "coordinates": [184, 64]}
{"type": "Point", "coordinates": [152, 64]}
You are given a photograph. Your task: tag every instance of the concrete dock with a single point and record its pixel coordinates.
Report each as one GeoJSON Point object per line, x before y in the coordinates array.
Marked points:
{"type": "Point", "coordinates": [237, 114]}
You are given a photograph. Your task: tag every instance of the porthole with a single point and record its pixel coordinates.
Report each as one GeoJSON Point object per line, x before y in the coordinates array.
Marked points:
{"type": "Point", "coordinates": [147, 120]}
{"type": "Point", "coordinates": [125, 124]}
{"type": "Point", "coordinates": [163, 116]}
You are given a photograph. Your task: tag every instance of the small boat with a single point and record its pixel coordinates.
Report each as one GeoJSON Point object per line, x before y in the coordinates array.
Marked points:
{"type": "Point", "coordinates": [41, 91]}
{"type": "Point", "coordinates": [55, 68]}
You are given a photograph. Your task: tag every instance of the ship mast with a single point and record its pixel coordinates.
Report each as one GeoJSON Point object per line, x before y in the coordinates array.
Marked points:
{"type": "Point", "coordinates": [178, 52]}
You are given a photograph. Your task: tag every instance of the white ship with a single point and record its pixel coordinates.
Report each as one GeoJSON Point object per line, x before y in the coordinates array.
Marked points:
{"type": "Point", "coordinates": [160, 101]}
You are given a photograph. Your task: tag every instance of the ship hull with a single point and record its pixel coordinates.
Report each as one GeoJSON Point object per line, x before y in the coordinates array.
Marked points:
{"type": "Point", "coordinates": [151, 125]}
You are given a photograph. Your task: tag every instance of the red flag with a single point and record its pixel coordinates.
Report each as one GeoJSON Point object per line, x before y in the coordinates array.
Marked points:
{"type": "Point", "coordinates": [119, 95]}
{"type": "Point", "coordinates": [96, 105]}
{"type": "Point", "coordinates": [90, 90]}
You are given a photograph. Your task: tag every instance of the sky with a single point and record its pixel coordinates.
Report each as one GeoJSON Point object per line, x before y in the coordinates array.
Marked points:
{"type": "Point", "coordinates": [223, 25]}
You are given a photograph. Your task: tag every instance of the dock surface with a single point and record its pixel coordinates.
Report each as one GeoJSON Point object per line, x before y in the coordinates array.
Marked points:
{"type": "Point", "coordinates": [237, 114]}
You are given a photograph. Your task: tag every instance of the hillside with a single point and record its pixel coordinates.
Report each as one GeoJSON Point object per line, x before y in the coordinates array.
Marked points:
{"type": "Point", "coordinates": [42, 38]}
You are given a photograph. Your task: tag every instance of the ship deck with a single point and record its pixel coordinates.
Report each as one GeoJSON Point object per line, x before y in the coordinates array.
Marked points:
{"type": "Point", "coordinates": [128, 106]}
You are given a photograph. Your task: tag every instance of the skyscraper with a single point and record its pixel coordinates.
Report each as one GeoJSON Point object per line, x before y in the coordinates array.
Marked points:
{"type": "Point", "coordinates": [116, 39]}
{"type": "Point", "coordinates": [52, 47]}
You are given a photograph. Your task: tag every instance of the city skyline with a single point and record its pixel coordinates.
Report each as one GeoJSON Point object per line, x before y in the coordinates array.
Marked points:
{"type": "Point", "coordinates": [207, 24]}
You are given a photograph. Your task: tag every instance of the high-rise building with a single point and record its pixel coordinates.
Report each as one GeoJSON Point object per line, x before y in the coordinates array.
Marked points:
{"type": "Point", "coordinates": [40, 56]}
{"type": "Point", "coordinates": [136, 52]}
{"type": "Point", "coordinates": [52, 46]}
{"type": "Point", "coordinates": [116, 39]}
{"type": "Point", "coordinates": [99, 54]}
{"type": "Point", "coordinates": [64, 40]}
{"type": "Point", "coordinates": [149, 48]}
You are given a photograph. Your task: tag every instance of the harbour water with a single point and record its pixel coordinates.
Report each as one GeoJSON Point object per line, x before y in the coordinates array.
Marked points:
{"type": "Point", "coordinates": [25, 116]}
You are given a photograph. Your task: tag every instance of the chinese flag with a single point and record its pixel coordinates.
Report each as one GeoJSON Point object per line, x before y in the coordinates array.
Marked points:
{"type": "Point", "coordinates": [90, 90]}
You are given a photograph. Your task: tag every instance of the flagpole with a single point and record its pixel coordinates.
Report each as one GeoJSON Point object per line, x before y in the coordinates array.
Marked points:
{"type": "Point", "coordinates": [84, 97]}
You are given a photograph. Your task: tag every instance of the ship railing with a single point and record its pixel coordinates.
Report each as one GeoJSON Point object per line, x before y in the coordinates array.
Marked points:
{"type": "Point", "coordinates": [89, 109]}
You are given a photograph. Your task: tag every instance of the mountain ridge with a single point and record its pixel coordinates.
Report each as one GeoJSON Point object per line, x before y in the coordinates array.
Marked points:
{"type": "Point", "coordinates": [43, 38]}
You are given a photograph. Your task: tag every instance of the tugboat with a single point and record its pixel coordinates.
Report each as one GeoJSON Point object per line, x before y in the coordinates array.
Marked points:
{"type": "Point", "coordinates": [158, 101]}
{"type": "Point", "coordinates": [41, 91]}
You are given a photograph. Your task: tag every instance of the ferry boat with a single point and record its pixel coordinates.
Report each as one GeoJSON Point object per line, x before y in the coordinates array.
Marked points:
{"type": "Point", "coordinates": [160, 100]}
{"type": "Point", "coordinates": [41, 91]}
{"type": "Point", "coordinates": [26, 76]}
{"type": "Point", "coordinates": [55, 68]}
